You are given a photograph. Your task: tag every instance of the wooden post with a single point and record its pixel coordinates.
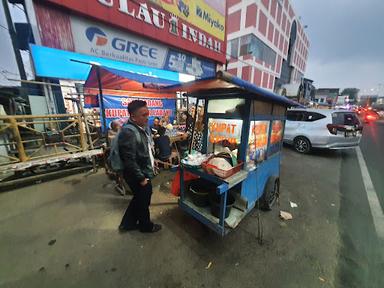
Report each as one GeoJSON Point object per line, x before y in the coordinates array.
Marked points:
{"type": "Point", "coordinates": [16, 133]}
{"type": "Point", "coordinates": [81, 130]}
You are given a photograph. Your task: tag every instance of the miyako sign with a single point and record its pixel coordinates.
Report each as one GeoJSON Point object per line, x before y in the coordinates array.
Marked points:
{"type": "Point", "coordinates": [152, 21]}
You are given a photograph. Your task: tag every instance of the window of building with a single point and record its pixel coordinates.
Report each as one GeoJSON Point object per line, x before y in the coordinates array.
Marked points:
{"type": "Point", "coordinates": [233, 48]}
{"type": "Point", "coordinates": [251, 45]}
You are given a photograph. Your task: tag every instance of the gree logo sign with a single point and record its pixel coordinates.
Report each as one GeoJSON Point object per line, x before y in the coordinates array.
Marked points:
{"type": "Point", "coordinates": [98, 37]}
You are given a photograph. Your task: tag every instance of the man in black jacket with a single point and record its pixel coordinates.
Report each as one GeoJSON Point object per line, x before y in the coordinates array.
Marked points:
{"type": "Point", "coordinates": [136, 155]}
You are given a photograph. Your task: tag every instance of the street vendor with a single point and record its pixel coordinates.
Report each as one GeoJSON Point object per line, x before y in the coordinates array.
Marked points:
{"type": "Point", "coordinates": [183, 145]}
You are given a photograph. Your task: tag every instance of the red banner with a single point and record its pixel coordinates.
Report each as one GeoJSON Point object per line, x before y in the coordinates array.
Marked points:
{"type": "Point", "coordinates": [152, 21]}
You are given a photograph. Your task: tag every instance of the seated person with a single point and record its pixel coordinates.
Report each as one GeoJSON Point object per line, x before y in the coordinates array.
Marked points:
{"type": "Point", "coordinates": [155, 127]}
{"type": "Point", "coordinates": [164, 121]}
{"type": "Point", "coordinates": [162, 145]}
{"type": "Point", "coordinates": [115, 128]}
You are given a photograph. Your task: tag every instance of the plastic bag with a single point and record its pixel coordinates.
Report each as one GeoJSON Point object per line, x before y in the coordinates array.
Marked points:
{"type": "Point", "coordinates": [175, 188]}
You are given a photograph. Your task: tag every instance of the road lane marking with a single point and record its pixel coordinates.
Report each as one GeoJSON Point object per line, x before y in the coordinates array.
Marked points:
{"type": "Point", "coordinates": [373, 200]}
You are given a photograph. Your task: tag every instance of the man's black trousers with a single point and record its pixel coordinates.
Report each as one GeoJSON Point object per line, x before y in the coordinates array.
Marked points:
{"type": "Point", "coordinates": [137, 212]}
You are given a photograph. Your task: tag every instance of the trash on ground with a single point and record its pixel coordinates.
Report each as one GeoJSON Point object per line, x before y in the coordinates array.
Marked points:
{"type": "Point", "coordinates": [237, 264]}
{"type": "Point", "coordinates": [293, 204]}
{"type": "Point", "coordinates": [321, 279]}
{"type": "Point", "coordinates": [333, 204]}
{"type": "Point", "coordinates": [209, 265]}
{"type": "Point", "coordinates": [42, 269]}
{"type": "Point", "coordinates": [285, 215]}
{"type": "Point", "coordinates": [53, 241]}
{"type": "Point", "coordinates": [113, 269]}
{"type": "Point", "coordinates": [67, 266]}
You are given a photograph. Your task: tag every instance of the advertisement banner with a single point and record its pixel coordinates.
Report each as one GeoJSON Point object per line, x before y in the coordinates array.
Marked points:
{"type": "Point", "coordinates": [193, 26]}
{"type": "Point", "coordinates": [116, 108]}
{"type": "Point", "coordinates": [208, 15]}
{"type": "Point", "coordinates": [101, 41]}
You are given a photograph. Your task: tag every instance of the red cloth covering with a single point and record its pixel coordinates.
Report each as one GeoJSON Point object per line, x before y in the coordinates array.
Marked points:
{"type": "Point", "coordinates": [175, 188]}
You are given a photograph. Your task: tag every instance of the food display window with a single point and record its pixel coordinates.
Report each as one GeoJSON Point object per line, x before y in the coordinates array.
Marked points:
{"type": "Point", "coordinates": [224, 134]}
{"type": "Point", "coordinates": [257, 141]}
{"type": "Point", "coordinates": [276, 137]}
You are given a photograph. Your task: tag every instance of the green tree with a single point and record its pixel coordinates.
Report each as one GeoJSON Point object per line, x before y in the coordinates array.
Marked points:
{"type": "Point", "coordinates": [352, 92]}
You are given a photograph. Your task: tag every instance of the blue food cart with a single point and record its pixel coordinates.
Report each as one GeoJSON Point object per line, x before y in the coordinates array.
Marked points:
{"type": "Point", "coordinates": [249, 122]}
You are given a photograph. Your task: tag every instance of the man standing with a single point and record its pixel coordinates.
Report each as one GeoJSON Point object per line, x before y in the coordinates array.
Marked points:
{"type": "Point", "coordinates": [136, 155]}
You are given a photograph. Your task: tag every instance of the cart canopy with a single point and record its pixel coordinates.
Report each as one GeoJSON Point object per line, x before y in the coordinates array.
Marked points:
{"type": "Point", "coordinates": [225, 85]}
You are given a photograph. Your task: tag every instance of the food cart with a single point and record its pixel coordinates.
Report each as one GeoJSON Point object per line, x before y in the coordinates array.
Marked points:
{"type": "Point", "coordinates": [248, 122]}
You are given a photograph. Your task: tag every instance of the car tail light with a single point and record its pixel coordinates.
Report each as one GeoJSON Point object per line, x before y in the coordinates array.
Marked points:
{"type": "Point", "coordinates": [332, 128]}
{"type": "Point", "coordinates": [370, 117]}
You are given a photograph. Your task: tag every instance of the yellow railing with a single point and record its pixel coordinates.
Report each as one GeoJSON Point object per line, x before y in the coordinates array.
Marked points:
{"type": "Point", "coordinates": [30, 137]}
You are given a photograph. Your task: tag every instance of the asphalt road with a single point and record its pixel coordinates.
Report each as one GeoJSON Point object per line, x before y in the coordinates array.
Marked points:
{"type": "Point", "coordinates": [361, 256]}
{"type": "Point", "coordinates": [63, 233]}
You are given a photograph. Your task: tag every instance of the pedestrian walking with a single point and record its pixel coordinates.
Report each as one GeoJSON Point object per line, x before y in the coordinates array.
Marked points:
{"type": "Point", "coordinates": [138, 162]}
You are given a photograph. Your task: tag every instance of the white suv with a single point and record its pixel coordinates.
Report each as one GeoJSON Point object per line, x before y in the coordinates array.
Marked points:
{"type": "Point", "coordinates": [316, 128]}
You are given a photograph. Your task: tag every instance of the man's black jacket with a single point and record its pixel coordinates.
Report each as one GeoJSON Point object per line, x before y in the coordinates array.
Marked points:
{"type": "Point", "coordinates": [134, 153]}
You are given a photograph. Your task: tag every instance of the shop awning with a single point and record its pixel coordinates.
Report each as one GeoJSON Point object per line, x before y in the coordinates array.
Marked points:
{"type": "Point", "coordinates": [115, 79]}
{"type": "Point", "coordinates": [226, 85]}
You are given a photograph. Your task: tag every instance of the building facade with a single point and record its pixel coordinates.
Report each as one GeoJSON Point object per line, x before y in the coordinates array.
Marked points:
{"type": "Point", "coordinates": [326, 96]}
{"type": "Point", "coordinates": [266, 43]}
{"type": "Point", "coordinates": [173, 40]}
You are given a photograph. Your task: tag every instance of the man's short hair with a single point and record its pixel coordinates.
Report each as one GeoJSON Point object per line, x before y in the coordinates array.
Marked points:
{"type": "Point", "coordinates": [136, 105]}
{"type": "Point", "coordinates": [156, 118]}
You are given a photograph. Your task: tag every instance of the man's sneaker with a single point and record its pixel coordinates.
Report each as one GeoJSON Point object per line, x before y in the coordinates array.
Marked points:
{"type": "Point", "coordinates": [155, 228]}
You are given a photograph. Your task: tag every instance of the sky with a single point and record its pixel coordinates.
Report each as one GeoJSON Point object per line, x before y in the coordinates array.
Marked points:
{"type": "Point", "coordinates": [346, 36]}
{"type": "Point", "coordinates": [347, 43]}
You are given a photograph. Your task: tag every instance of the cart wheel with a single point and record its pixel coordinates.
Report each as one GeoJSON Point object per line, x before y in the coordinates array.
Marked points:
{"type": "Point", "coordinates": [271, 193]}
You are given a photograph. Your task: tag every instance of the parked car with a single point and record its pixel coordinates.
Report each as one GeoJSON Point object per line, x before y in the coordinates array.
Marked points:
{"type": "Point", "coordinates": [316, 128]}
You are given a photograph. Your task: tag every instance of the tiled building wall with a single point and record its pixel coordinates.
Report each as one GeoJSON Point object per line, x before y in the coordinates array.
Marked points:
{"type": "Point", "coordinates": [271, 22]}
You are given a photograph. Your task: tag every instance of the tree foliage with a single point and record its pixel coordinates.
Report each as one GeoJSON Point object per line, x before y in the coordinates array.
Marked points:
{"type": "Point", "coordinates": [352, 92]}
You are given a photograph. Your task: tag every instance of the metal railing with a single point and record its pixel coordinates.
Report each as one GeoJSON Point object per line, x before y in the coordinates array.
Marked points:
{"type": "Point", "coordinates": [29, 137]}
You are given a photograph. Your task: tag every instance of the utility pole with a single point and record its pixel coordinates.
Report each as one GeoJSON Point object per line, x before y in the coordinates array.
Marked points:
{"type": "Point", "coordinates": [15, 43]}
